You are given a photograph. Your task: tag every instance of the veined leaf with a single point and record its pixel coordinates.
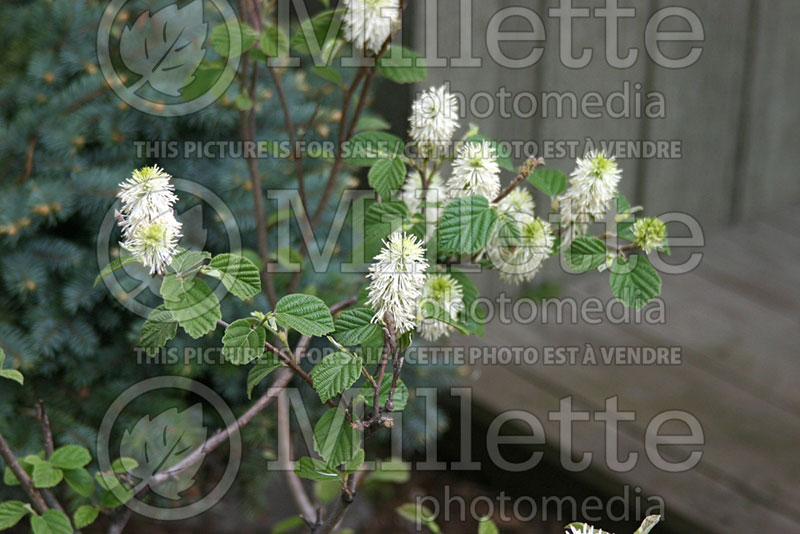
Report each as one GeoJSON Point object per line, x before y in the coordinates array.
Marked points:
{"type": "Point", "coordinates": [237, 273]}
{"type": "Point", "coordinates": [549, 181]}
{"type": "Point", "coordinates": [11, 512]}
{"type": "Point", "coordinates": [114, 265]}
{"type": "Point", "coordinates": [192, 304]}
{"type": "Point", "coordinates": [335, 373]}
{"type": "Point", "coordinates": [634, 281]}
{"type": "Point", "coordinates": [403, 65]}
{"type": "Point", "coordinates": [243, 341]}
{"type": "Point", "coordinates": [585, 253]}
{"type": "Point", "coordinates": [85, 515]}
{"type": "Point", "coordinates": [45, 475]}
{"type": "Point", "coordinates": [400, 394]}
{"type": "Point", "coordinates": [304, 313]}
{"type": "Point", "coordinates": [368, 148]}
{"type": "Point", "coordinates": [386, 176]}
{"type": "Point", "coordinates": [10, 374]}
{"type": "Point", "coordinates": [51, 522]}
{"type": "Point", "coordinates": [334, 439]}
{"type": "Point", "coordinates": [355, 326]}
{"type": "Point", "coordinates": [159, 328]}
{"type": "Point", "coordinates": [80, 480]}
{"type": "Point", "coordinates": [70, 457]}
{"type": "Point", "coordinates": [313, 469]}
{"type": "Point", "coordinates": [465, 225]}
{"type": "Point", "coordinates": [263, 367]}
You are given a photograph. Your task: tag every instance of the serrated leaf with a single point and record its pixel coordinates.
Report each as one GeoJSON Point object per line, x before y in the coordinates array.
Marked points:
{"type": "Point", "coordinates": [334, 439]}
{"type": "Point", "coordinates": [46, 475]}
{"type": "Point", "coordinates": [487, 526]}
{"type": "Point", "coordinates": [400, 394]}
{"type": "Point", "coordinates": [327, 73]}
{"type": "Point", "coordinates": [355, 326]}
{"type": "Point", "coordinates": [114, 265]}
{"type": "Point", "coordinates": [549, 181]}
{"type": "Point", "coordinates": [372, 348]}
{"type": "Point", "coordinates": [237, 273]}
{"type": "Point", "coordinates": [185, 260]}
{"type": "Point", "coordinates": [313, 32]}
{"type": "Point", "coordinates": [80, 480]}
{"type": "Point", "coordinates": [394, 470]}
{"type": "Point", "coordinates": [159, 328]}
{"type": "Point", "coordinates": [124, 465]}
{"type": "Point", "coordinates": [274, 42]}
{"type": "Point", "coordinates": [51, 522]}
{"type": "Point", "coordinates": [70, 457]}
{"type": "Point", "coordinates": [165, 47]}
{"type": "Point", "coordinates": [243, 342]}
{"type": "Point", "coordinates": [306, 314]}
{"type": "Point", "coordinates": [634, 281]}
{"type": "Point", "coordinates": [585, 253]}
{"type": "Point", "coordinates": [368, 148]}
{"type": "Point", "coordinates": [432, 311]}
{"type": "Point", "coordinates": [352, 465]}
{"type": "Point", "coordinates": [11, 512]}
{"type": "Point", "coordinates": [12, 374]}
{"type": "Point", "coordinates": [192, 304]}
{"type": "Point", "coordinates": [118, 497]}
{"type": "Point", "coordinates": [313, 469]}
{"type": "Point", "coordinates": [403, 65]}
{"type": "Point", "coordinates": [263, 367]}
{"type": "Point", "coordinates": [85, 515]}
{"type": "Point", "coordinates": [473, 316]}
{"type": "Point", "coordinates": [386, 176]}
{"type": "Point", "coordinates": [242, 38]}
{"type": "Point", "coordinates": [465, 225]}
{"type": "Point", "coordinates": [334, 374]}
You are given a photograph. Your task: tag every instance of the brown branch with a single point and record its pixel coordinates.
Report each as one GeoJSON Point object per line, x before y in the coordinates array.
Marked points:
{"type": "Point", "coordinates": [296, 489]}
{"type": "Point", "coordinates": [25, 481]}
{"type": "Point", "coordinates": [344, 502]}
{"type": "Point", "coordinates": [44, 426]}
{"type": "Point", "coordinates": [527, 168]}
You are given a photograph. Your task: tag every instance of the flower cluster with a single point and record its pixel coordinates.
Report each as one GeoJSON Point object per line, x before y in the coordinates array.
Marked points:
{"type": "Point", "coordinates": [443, 292]}
{"type": "Point", "coordinates": [434, 120]}
{"type": "Point", "coordinates": [475, 172]}
{"type": "Point", "coordinates": [369, 23]}
{"type": "Point", "coordinates": [398, 275]}
{"type": "Point", "coordinates": [150, 230]}
{"type": "Point", "coordinates": [519, 256]}
{"type": "Point", "coordinates": [650, 234]}
{"type": "Point", "coordinates": [593, 185]}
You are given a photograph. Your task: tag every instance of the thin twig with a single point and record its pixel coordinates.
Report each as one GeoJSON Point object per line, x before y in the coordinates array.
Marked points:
{"type": "Point", "coordinates": [299, 494]}
{"type": "Point", "coordinates": [25, 481]}
{"type": "Point", "coordinates": [44, 426]}
{"type": "Point", "coordinates": [527, 168]}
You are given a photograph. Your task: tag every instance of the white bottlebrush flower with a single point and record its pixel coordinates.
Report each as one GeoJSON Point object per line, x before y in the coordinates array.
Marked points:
{"type": "Point", "coordinates": [518, 201]}
{"type": "Point", "coordinates": [518, 256]}
{"type": "Point", "coordinates": [583, 529]}
{"type": "Point", "coordinates": [369, 23]}
{"type": "Point", "coordinates": [154, 243]}
{"type": "Point", "coordinates": [475, 172]}
{"type": "Point", "coordinates": [650, 234]}
{"type": "Point", "coordinates": [435, 198]}
{"type": "Point", "coordinates": [445, 292]}
{"type": "Point", "coordinates": [434, 120]}
{"type": "Point", "coordinates": [146, 196]}
{"type": "Point", "coordinates": [593, 185]}
{"type": "Point", "coordinates": [398, 274]}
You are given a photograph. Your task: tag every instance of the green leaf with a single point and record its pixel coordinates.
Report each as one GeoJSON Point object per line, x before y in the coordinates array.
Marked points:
{"type": "Point", "coordinates": [487, 526]}
{"type": "Point", "coordinates": [400, 394]}
{"type": "Point", "coordinates": [419, 515]}
{"type": "Point", "coordinates": [431, 310]}
{"type": "Point", "coordinates": [85, 515]}
{"type": "Point", "coordinates": [328, 74]}
{"type": "Point", "coordinates": [465, 225]}
{"type": "Point", "coordinates": [242, 102]}
{"type": "Point", "coordinates": [51, 522]}
{"type": "Point", "coordinates": [355, 326]}
{"type": "Point", "coordinates": [11, 374]}
{"type": "Point", "coordinates": [114, 265]}
{"type": "Point", "coordinates": [386, 176]}
{"type": "Point", "coordinates": [352, 465]}
{"type": "Point", "coordinates": [220, 40]}
{"type": "Point", "coordinates": [289, 524]}
{"type": "Point", "coordinates": [313, 469]}
{"type": "Point", "coordinates": [274, 42]}
{"type": "Point", "coordinates": [473, 315]}
{"type": "Point", "coordinates": [124, 465]}
{"type": "Point", "coordinates": [159, 328]}
{"type": "Point", "coordinates": [335, 373]}
{"type": "Point", "coordinates": [394, 470]}
{"type": "Point", "coordinates": [192, 304]}
{"type": "Point", "coordinates": [334, 439]}
{"type": "Point", "coordinates": [313, 32]}
{"type": "Point", "coordinates": [549, 181]}
{"type": "Point", "coordinates": [185, 260]}
{"type": "Point", "coordinates": [11, 512]}
{"type": "Point", "coordinates": [118, 497]}
{"type": "Point", "coordinates": [304, 313]}
{"type": "Point", "coordinates": [237, 273]}
{"type": "Point", "coordinates": [45, 475]}
{"type": "Point", "coordinates": [372, 348]}
{"type": "Point", "coordinates": [107, 481]}
{"type": "Point", "coordinates": [403, 65]}
{"type": "Point", "coordinates": [585, 254]}
{"type": "Point", "coordinates": [243, 341]}
{"type": "Point", "coordinates": [371, 124]}
{"type": "Point", "coordinates": [634, 282]}
{"type": "Point", "coordinates": [263, 367]}
{"type": "Point", "coordinates": [368, 148]}
{"type": "Point", "coordinates": [80, 480]}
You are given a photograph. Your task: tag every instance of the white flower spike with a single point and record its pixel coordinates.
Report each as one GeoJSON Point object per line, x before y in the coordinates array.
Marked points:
{"type": "Point", "coordinates": [434, 120]}
{"type": "Point", "coordinates": [517, 202]}
{"type": "Point", "coordinates": [369, 23]}
{"type": "Point", "coordinates": [398, 275]}
{"type": "Point", "coordinates": [146, 195]}
{"type": "Point", "coordinates": [154, 243]}
{"type": "Point", "coordinates": [445, 292]}
{"type": "Point", "coordinates": [592, 186]}
{"type": "Point", "coordinates": [475, 172]}
{"type": "Point", "coordinates": [519, 258]}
